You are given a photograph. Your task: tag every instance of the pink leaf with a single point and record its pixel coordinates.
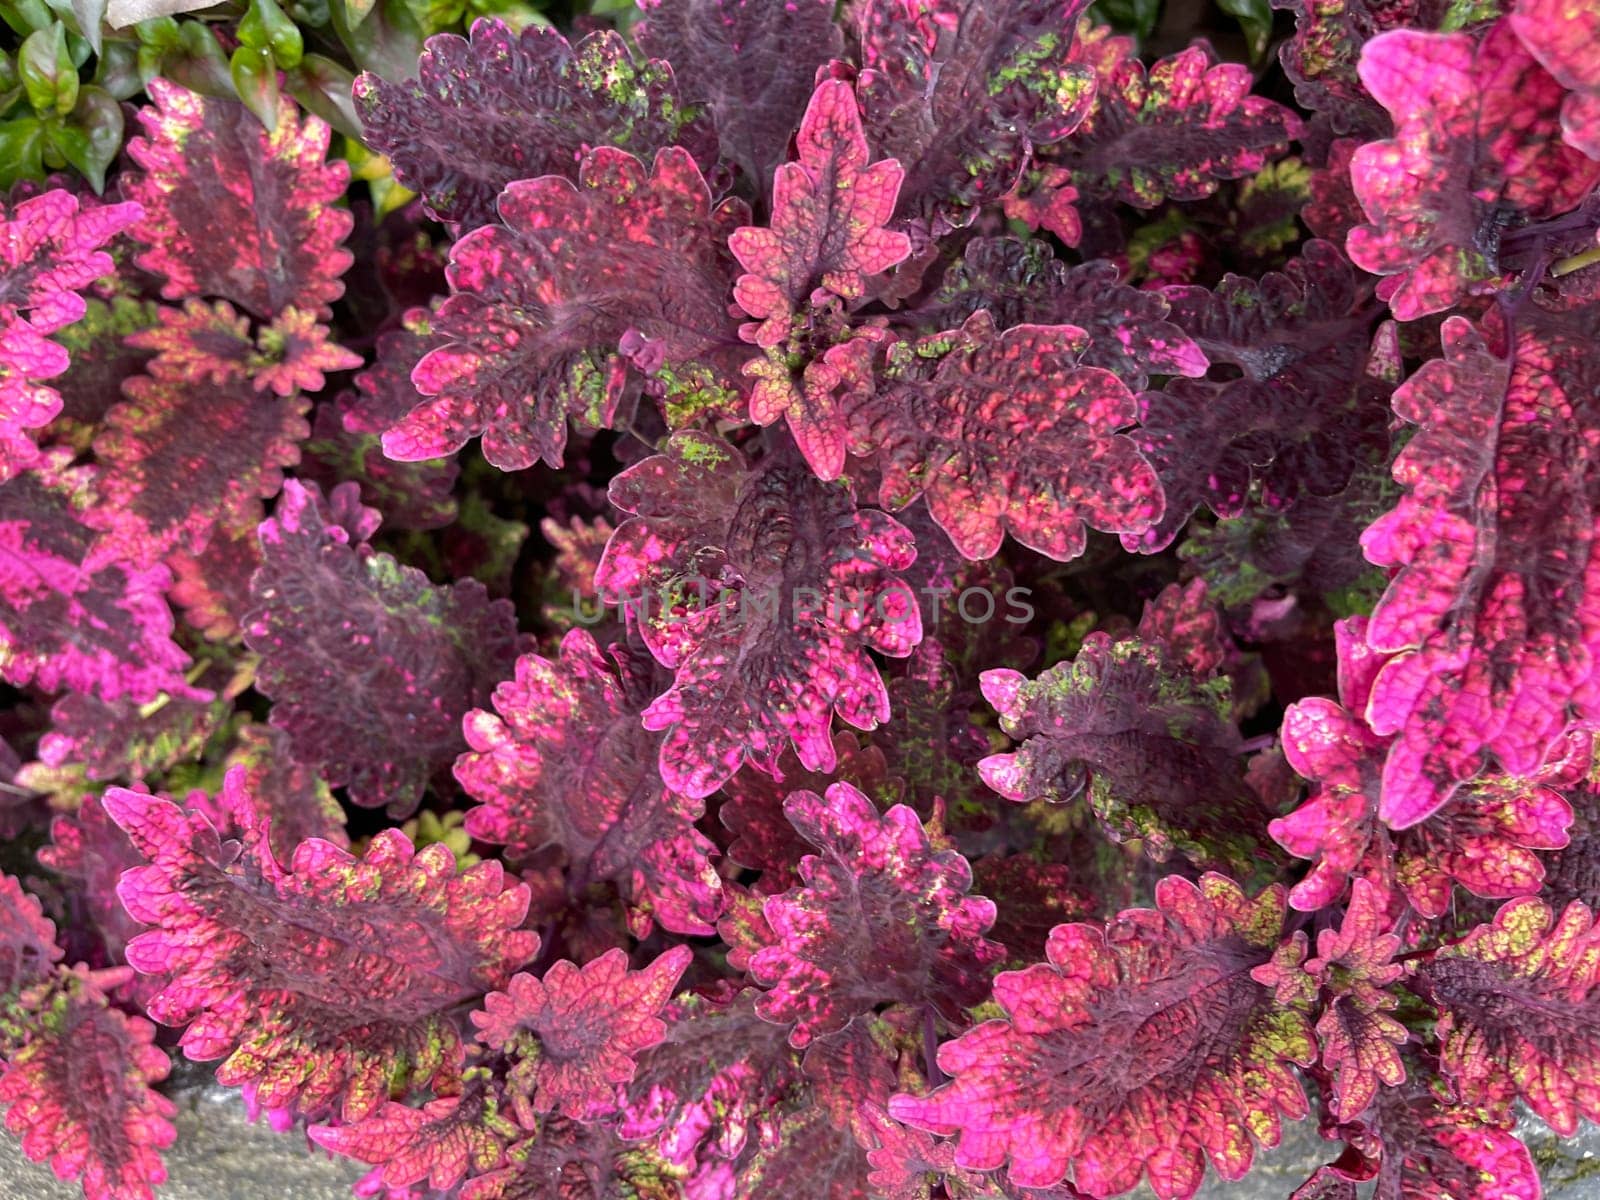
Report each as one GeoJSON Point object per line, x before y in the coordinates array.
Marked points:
{"type": "Point", "coordinates": [763, 588]}
{"type": "Point", "coordinates": [438, 1142]}
{"type": "Point", "coordinates": [1142, 1047]}
{"type": "Point", "coordinates": [1477, 149]}
{"type": "Point", "coordinates": [878, 883]}
{"type": "Point", "coordinates": [499, 105]}
{"type": "Point", "coordinates": [75, 614]}
{"type": "Point", "coordinates": [567, 765]}
{"type": "Point", "coordinates": [235, 212]}
{"type": "Point", "coordinates": [542, 301]}
{"type": "Point", "coordinates": [323, 985]}
{"type": "Point", "coordinates": [1007, 433]}
{"type": "Point", "coordinates": [827, 234]}
{"type": "Point", "coordinates": [574, 1035]}
{"type": "Point", "coordinates": [1493, 546]}
{"type": "Point", "coordinates": [1562, 37]}
{"type": "Point", "coordinates": [370, 666]}
{"type": "Point", "coordinates": [79, 1094]}
{"type": "Point", "coordinates": [1516, 1001]}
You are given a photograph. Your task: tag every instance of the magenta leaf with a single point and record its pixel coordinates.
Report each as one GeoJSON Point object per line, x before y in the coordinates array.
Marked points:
{"type": "Point", "coordinates": [1152, 747]}
{"type": "Point", "coordinates": [122, 740]}
{"type": "Point", "coordinates": [438, 1142]}
{"type": "Point", "coordinates": [498, 106]}
{"type": "Point", "coordinates": [1484, 614]}
{"type": "Point", "coordinates": [264, 785]}
{"type": "Point", "coordinates": [212, 588]}
{"type": "Point", "coordinates": [1005, 432]}
{"type": "Point", "coordinates": [827, 234]}
{"type": "Point", "coordinates": [1358, 1036]}
{"type": "Point", "coordinates": [1417, 1143]}
{"type": "Point", "coordinates": [368, 959]}
{"type": "Point", "coordinates": [79, 1093]}
{"type": "Point", "coordinates": [574, 1034]}
{"type": "Point", "coordinates": [904, 1161]}
{"type": "Point", "coordinates": [763, 588]}
{"type": "Point", "coordinates": [879, 883]}
{"type": "Point", "coordinates": [858, 1064]}
{"type": "Point", "coordinates": [1321, 57]}
{"type": "Point", "coordinates": [960, 91]}
{"type": "Point", "coordinates": [567, 764]}
{"type": "Point", "coordinates": [191, 450]}
{"type": "Point", "coordinates": [1477, 151]}
{"type": "Point", "coordinates": [1142, 1047]}
{"type": "Point", "coordinates": [544, 301]}
{"type": "Point", "coordinates": [50, 250]}
{"type": "Point", "coordinates": [713, 1085]}
{"type": "Point", "coordinates": [1023, 283]}
{"type": "Point", "coordinates": [237, 213]}
{"type": "Point", "coordinates": [74, 614]}
{"type": "Point", "coordinates": [1483, 838]}
{"type": "Point", "coordinates": [752, 809]}
{"type": "Point", "coordinates": [28, 950]}
{"type": "Point", "coordinates": [807, 1147]}
{"type": "Point", "coordinates": [371, 668]}
{"type": "Point", "coordinates": [754, 64]}
{"type": "Point", "coordinates": [90, 851]}
{"type": "Point", "coordinates": [1516, 999]}
{"type": "Point", "coordinates": [1174, 131]}
{"type": "Point", "coordinates": [575, 1160]}
{"type": "Point", "coordinates": [1562, 38]}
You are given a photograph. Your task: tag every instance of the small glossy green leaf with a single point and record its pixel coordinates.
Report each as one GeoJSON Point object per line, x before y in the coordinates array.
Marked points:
{"type": "Point", "coordinates": [322, 86]}
{"type": "Point", "coordinates": [91, 136]}
{"type": "Point", "coordinates": [1137, 17]}
{"type": "Point", "coordinates": [255, 77]}
{"type": "Point", "coordinates": [21, 150]}
{"type": "Point", "coordinates": [1255, 21]}
{"type": "Point", "coordinates": [266, 27]}
{"type": "Point", "coordinates": [357, 11]}
{"type": "Point", "coordinates": [26, 16]}
{"type": "Point", "coordinates": [117, 70]}
{"type": "Point", "coordinates": [198, 62]}
{"type": "Point", "coordinates": [48, 75]}
{"type": "Point", "coordinates": [90, 14]}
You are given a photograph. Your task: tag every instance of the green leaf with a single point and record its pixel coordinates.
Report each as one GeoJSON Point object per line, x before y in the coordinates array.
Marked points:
{"type": "Point", "coordinates": [265, 27]}
{"type": "Point", "coordinates": [1255, 20]}
{"type": "Point", "coordinates": [255, 78]}
{"type": "Point", "coordinates": [21, 150]}
{"type": "Point", "coordinates": [356, 11]}
{"type": "Point", "coordinates": [117, 70]}
{"type": "Point", "coordinates": [1137, 17]}
{"type": "Point", "coordinates": [26, 16]}
{"type": "Point", "coordinates": [48, 75]}
{"type": "Point", "coordinates": [91, 136]}
{"type": "Point", "coordinates": [197, 62]}
{"type": "Point", "coordinates": [322, 87]}
{"type": "Point", "coordinates": [388, 43]}
{"type": "Point", "coordinates": [90, 14]}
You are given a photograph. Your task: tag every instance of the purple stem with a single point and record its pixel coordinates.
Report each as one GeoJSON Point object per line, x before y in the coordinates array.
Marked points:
{"type": "Point", "coordinates": [930, 1049]}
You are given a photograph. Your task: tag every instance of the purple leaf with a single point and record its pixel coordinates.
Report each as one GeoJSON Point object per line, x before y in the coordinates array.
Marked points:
{"type": "Point", "coordinates": [543, 302]}
{"type": "Point", "coordinates": [763, 588]}
{"type": "Point", "coordinates": [754, 63]}
{"type": "Point", "coordinates": [370, 666]}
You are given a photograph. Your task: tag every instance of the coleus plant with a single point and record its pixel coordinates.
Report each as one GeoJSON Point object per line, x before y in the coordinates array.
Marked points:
{"type": "Point", "coordinates": [910, 598]}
